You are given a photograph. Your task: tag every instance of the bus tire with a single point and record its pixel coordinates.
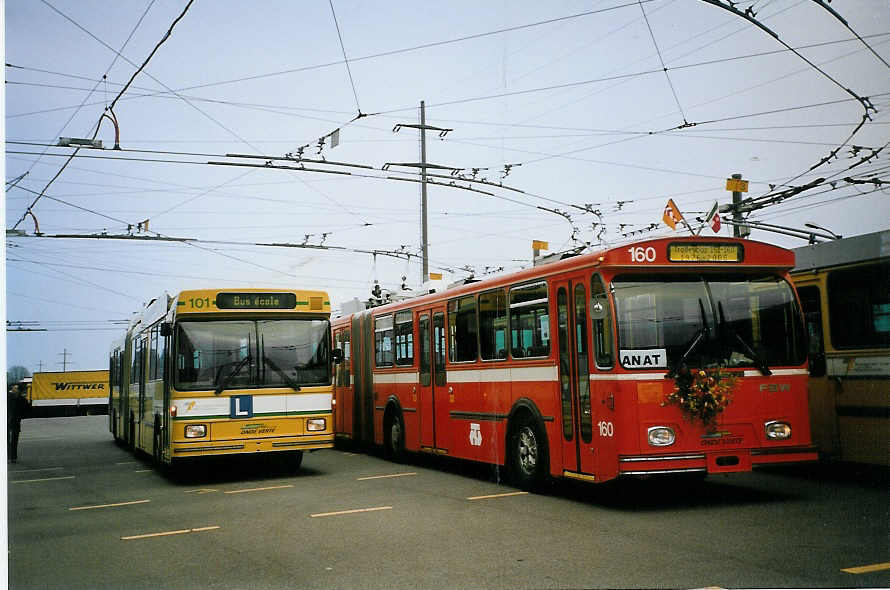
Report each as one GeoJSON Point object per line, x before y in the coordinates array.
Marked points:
{"type": "Point", "coordinates": [113, 417]}
{"type": "Point", "coordinates": [528, 453]}
{"type": "Point", "coordinates": [156, 444]}
{"type": "Point", "coordinates": [296, 459]}
{"type": "Point", "coordinates": [394, 436]}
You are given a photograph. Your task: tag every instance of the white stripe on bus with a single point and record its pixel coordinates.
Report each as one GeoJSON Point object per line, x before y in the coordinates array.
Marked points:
{"type": "Point", "coordinates": [409, 378]}
{"type": "Point", "coordinates": [503, 375]}
{"type": "Point", "coordinates": [262, 404]}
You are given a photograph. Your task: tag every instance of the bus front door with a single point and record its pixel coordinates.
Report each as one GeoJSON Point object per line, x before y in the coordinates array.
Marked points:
{"type": "Point", "coordinates": [573, 341]}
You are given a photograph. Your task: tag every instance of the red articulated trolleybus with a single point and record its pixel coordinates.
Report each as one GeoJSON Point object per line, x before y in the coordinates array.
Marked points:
{"type": "Point", "coordinates": [664, 356]}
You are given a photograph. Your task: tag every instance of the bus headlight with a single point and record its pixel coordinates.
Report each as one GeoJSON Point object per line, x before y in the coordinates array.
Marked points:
{"type": "Point", "coordinates": [316, 424]}
{"type": "Point", "coordinates": [661, 436]}
{"type": "Point", "coordinates": [777, 430]}
{"type": "Point", "coordinates": [195, 431]}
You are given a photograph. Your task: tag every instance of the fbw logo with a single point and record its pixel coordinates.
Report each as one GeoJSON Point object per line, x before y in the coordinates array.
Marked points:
{"type": "Point", "coordinates": [475, 435]}
{"type": "Point", "coordinates": [241, 406]}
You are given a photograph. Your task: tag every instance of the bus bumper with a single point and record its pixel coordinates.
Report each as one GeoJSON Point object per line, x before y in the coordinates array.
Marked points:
{"type": "Point", "coordinates": [728, 461]}
{"type": "Point", "coordinates": [259, 445]}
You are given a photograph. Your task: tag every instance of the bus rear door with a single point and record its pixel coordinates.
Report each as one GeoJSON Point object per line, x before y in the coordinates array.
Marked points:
{"type": "Point", "coordinates": [432, 400]}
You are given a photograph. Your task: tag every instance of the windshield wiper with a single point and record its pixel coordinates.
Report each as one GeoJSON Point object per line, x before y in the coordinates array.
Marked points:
{"type": "Point", "coordinates": [224, 384]}
{"type": "Point", "coordinates": [287, 379]}
{"type": "Point", "coordinates": [704, 330]}
{"type": "Point", "coordinates": [759, 362]}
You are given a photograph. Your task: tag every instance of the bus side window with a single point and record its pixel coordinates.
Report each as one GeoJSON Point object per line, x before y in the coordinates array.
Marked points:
{"type": "Point", "coordinates": [811, 302]}
{"type": "Point", "coordinates": [529, 321]}
{"type": "Point", "coordinates": [601, 312]}
{"type": "Point", "coordinates": [423, 350]}
{"type": "Point", "coordinates": [462, 329]}
{"type": "Point", "coordinates": [404, 338]}
{"type": "Point", "coordinates": [383, 341]}
{"type": "Point", "coordinates": [493, 325]}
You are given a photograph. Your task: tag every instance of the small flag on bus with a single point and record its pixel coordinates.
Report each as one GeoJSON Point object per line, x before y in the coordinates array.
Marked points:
{"type": "Point", "coordinates": [713, 218]}
{"type": "Point", "coordinates": [672, 215]}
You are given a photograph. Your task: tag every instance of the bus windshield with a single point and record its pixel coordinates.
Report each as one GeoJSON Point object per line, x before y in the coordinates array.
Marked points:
{"type": "Point", "coordinates": [731, 320]}
{"type": "Point", "coordinates": [224, 354]}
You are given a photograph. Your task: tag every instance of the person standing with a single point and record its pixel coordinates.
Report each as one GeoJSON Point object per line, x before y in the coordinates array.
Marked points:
{"type": "Point", "coordinates": [16, 408]}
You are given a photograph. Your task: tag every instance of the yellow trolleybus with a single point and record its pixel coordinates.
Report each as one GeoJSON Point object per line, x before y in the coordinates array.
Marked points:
{"type": "Point", "coordinates": [844, 289]}
{"type": "Point", "coordinates": [216, 372]}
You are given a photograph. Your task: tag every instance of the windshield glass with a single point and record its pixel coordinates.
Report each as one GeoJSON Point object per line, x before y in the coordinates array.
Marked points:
{"type": "Point", "coordinates": [707, 320]}
{"type": "Point", "coordinates": [250, 354]}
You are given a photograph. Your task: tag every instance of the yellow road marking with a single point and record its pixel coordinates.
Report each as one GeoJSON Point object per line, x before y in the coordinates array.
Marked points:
{"type": "Point", "coordinates": [258, 489]}
{"type": "Point", "coordinates": [168, 533]}
{"type": "Point", "coordinates": [386, 476]}
{"type": "Point", "coordinates": [110, 505]}
{"type": "Point", "coordinates": [143, 470]}
{"type": "Point", "coordinates": [44, 479]}
{"type": "Point", "coordinates": [497, 496]}
{"type": "Point", "coordinates": [357, 510]}
{"type": "Point", "coordinates": [201, 491]}
{"type": "Point", "coordinates": [867, 569]}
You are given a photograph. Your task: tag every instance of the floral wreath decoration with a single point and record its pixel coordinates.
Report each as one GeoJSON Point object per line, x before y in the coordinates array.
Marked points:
{"type": "Point", "coordinates": [702, 394]}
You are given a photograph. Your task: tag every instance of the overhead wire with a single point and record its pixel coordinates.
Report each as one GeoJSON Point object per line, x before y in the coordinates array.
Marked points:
{"type": "Point", "coordinates": [117, 53]}
{"type": "Point", "coordinates": [346, 60]}
{"type": "Point", "coordinates": [663, 66]}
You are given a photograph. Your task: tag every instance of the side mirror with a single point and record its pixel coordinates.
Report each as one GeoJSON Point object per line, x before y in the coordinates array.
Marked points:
{"type": "Point", "coordinates": [817, 364]}
{"type": "Point", "coordinates": [337, 355]}
{"type": "Point", "coordinates": [166, 329]}
{"type": "Point", "coordinates": [598, 308]}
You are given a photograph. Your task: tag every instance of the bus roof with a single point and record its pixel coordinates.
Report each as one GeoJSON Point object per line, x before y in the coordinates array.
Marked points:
{"type": "Point", "coordinates": [250, 299]}
{"type": "Point", "coordinates": [862, 248]}
{"type": "Point", "coordinates": [741, 253]}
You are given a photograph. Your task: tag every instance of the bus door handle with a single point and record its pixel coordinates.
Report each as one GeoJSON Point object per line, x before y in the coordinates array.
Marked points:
{"type": "Point", "coordinates": [609, 400]}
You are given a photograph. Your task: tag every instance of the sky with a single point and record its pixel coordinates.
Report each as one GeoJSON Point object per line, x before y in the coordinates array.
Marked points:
{"type": "Point", "coordinates": [572, 122]}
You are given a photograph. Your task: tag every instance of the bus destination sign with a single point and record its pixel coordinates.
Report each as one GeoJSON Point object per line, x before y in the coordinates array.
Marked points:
{"type": "Point", "coordinates": [256, 300]}
{"type": "Point", "coordinates": [706, 252]}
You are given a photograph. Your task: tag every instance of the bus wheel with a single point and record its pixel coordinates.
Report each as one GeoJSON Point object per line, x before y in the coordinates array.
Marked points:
{"type": "Point", "coordinates": [296, 459]}
{"type": "Point", "coordinates": [394, 437]}
{"type": "Point", "coordinates": [156, 444]}
{"type": "Point", "coordinates": [528, 455]}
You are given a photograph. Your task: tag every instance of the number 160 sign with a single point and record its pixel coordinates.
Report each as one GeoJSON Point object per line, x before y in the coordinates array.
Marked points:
{"type": "Point", "coordinates": [642, 254]}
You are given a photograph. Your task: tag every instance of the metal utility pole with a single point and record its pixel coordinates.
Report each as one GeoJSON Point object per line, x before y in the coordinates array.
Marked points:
{"type": "Point", "coordinates": [737, 185]}
{"type": "Point", "coordinates": [64, 354]}
{"type": "Point", "coordinates": [423, 227]}
{"type": "Point", "coordinates": [423, 165]}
